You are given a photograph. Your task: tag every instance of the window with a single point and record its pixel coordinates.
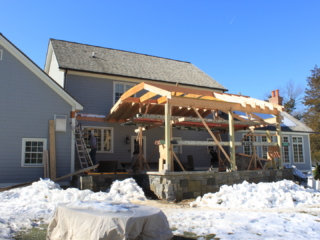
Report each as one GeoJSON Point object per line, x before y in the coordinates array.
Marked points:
{"type": "Point", "coordinates": [265, 148]}
{"type": "Point", "coordinates": [247, 149]}
{"type": "Point", "coordinates": [32, 151]}
{"type": "Point", "coordinates": [1, 53]}
{"type": "Point", "coordinates": [104, 137]}
{"type": "Point", "coordinates": [120, 88]}
{"type": "Point", "coordinates": [297, 146]}
{"type": "Point", "coordinates": [285, 150]}
{"type": "Point", "coordinates": [177, 148]}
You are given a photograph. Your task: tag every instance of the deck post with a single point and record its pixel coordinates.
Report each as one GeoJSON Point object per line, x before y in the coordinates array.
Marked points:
{"type": "Point", "coordinates": [279, 140]}
{"type": "Point", "coordinates": [231, 140]}
{"type": "Point", "coordinates": [168, 166]}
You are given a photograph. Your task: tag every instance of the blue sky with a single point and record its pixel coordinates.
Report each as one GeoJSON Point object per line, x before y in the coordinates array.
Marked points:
{"type": "Point", "coordinates": [251, 47]}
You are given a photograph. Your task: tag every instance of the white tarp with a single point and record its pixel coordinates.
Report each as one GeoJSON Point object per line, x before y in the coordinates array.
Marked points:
{"type": "Point", "coordinates": [108, 221]}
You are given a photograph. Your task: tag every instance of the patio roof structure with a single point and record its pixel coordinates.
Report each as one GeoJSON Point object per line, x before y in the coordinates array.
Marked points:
{"type": "Point", "coordinates": [153, 105]}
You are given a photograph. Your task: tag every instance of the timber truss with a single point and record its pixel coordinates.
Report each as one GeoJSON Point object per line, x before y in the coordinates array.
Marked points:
{"type": "Point", "coordinates": [151, 105]}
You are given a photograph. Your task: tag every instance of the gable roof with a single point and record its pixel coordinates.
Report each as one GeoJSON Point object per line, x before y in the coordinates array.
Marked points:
{"type": "Point", "coordinates": [15, 51]}
{"type": "Point", "coordinates": [76, 56]}
{"type": "Point", "coordinates": [290, 124]}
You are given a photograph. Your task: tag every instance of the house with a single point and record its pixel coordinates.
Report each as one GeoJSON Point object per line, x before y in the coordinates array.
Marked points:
{"type": "Point", "coordinates": [29, 100]}
{"type": "Point", "coordinates": [100, 78]}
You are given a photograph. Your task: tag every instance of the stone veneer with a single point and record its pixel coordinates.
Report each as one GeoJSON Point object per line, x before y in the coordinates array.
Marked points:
{"type": "Point", "coordinates": [182, 185]}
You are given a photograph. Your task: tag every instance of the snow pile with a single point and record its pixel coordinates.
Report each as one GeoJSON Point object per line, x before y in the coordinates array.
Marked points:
{"type": "Point", "coordinates": [22, 207]}
{"type": "Point", "coordinates": [243, 225]}
{"type": "Point", "coordinates": [282, 194]}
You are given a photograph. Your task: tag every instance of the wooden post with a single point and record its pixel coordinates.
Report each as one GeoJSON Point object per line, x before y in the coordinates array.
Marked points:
{"type": "Point", "coordinates": [46, 164]}
{"type": "Point", "coordinates": [140, 149]}
{"type": "Point", "coordinates": [279, 140]}
{"type": "Point", "coordinates": [52, 151]}
{"type": "Point", "coordinates": [254, 150]}
{"type": "Point", "coordinates": [272, 162]}
{"type": "Point", "coordinates": [231, 141]}
{"type": "Point", "coordinates": [168, 165]}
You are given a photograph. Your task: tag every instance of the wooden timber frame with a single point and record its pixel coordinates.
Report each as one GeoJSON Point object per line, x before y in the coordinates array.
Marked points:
{"type": "Point", "coordinates": [151, 105]}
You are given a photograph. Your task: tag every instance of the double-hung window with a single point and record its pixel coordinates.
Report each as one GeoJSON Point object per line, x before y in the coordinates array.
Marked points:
{"type": "Point", "coordinates": [248, 148]}
{"type": "Point", "coordinates": [297, 146]}
{"type": "Point", "coordinates": [120, 88]}
{"type": "Point", "coordinates": [32, 151]}
{"type": "Point", "coordinates": [104, 138]}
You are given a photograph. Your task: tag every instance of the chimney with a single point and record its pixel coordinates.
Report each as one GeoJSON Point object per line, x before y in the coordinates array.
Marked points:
{"type": "Point", "coordinates": [275, 97]}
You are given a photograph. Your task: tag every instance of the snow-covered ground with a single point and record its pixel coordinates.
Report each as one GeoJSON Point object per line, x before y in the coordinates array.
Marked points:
{"type": "Point", "coordinates": [281, 210]}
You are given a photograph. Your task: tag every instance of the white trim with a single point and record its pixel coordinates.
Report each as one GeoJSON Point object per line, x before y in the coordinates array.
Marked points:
{"type": "Point", "coordinates": [180, 146]}
{"type": "Point", "coordinates": [112, 138]}
{"type": "Point", "coordinates": [144, 139]}
{"type": "Point", "coordinates": [310, 160]}
{"type": "Point", "coordinates": [303, 151]}
{"type": "Point", "coordinates": [39, 73]}
{"type": "Point", "coordinates": [1, 54]}
{"type": "Point", "coordinates": [120, 83]}
{"type": "Point", "coordinates": [24, 140]}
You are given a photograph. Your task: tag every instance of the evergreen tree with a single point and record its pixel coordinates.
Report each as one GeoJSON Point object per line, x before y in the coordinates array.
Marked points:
{"type": "Point", "coordinates": [312, 116]}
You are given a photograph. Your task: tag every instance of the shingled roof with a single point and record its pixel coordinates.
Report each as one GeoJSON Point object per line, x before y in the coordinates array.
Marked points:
{"type": "Point", "coordinates": [75, 56]}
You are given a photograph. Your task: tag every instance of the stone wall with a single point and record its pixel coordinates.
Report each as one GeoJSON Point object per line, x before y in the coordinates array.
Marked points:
{"type": "Point", "coordinates": [181, 185]}
{"type": "Point", "coordinates": [185, 185]}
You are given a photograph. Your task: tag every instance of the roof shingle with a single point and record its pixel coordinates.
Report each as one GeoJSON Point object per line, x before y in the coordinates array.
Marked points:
{"type": "Point", "coordinates": [77, 56]}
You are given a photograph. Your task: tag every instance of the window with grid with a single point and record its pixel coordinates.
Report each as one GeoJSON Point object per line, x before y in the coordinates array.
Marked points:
{"type": "Point", "coordinates": [285, 150]}
{"type": "Point", "coordinates": [248, 149]}
{"type": "Point", "coordinates": [120, 88]}
{"type": "Point", "coordinates": [32, 151]}
{"type": "Point", "coordinates": [104, 138]}
{"type": "Point", "coordinates": [297, 150]}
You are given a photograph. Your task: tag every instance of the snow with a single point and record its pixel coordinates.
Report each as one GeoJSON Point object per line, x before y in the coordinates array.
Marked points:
{"type": "Point", "coordinates": [280, 210]}
{"type": "Point", "coordinates": [282, 194]}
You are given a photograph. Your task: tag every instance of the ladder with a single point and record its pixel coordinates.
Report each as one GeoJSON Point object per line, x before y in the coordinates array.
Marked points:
{"type": "Point", "coordinates": [83, 155]}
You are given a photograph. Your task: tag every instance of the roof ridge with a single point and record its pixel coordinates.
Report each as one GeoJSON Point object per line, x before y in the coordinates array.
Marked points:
{"type": "Point", "coordinates": [120, 50]}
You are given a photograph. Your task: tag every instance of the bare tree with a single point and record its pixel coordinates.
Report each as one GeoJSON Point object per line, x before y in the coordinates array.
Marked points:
{"type": "Point", "coordinates": [292, 98]}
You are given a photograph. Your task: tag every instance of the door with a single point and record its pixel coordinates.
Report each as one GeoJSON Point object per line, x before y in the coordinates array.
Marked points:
{"type": "Point", "coordinates": [135, 146]}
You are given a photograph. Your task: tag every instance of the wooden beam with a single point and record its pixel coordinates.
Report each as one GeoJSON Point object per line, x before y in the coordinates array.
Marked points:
{"type": "Point", "coordinates": [231, 140]}
{"type": "Point", "coordinates": [225, 106]}
{"type": "Point", "coordinates": [131, 100]}
{"type": "Point", "coordinates": [132, 91]}
{"type": "Point", "coordinates": [147, 96]}
{"type": "Point", "coordinates": [52, 151]}
{"type": "Point", "coordinates": [162, 100]}
{"type": "Point", "coordinates": [92, 119]}
{"type": "Point", "coordinates": [159, 90]}
{"type": "Point", "coordinates": [76, 172]}
{"type": "Point", "coordinates": [212, 135]}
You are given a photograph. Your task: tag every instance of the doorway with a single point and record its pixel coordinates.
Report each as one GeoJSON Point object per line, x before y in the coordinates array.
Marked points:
{"type": "Point", "coordinates": [135, 145]}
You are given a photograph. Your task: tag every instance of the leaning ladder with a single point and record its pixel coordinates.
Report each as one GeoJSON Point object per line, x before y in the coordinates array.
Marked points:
{"type": "Point", "coordinates": [83, 155]}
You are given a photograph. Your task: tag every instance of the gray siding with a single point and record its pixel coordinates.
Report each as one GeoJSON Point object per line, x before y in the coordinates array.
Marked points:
{"type": "Point", "coordinates": [27, 104]}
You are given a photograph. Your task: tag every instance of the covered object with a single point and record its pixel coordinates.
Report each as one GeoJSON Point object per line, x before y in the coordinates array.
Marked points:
{"type": "Point", "coordinates": [111, 221]}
